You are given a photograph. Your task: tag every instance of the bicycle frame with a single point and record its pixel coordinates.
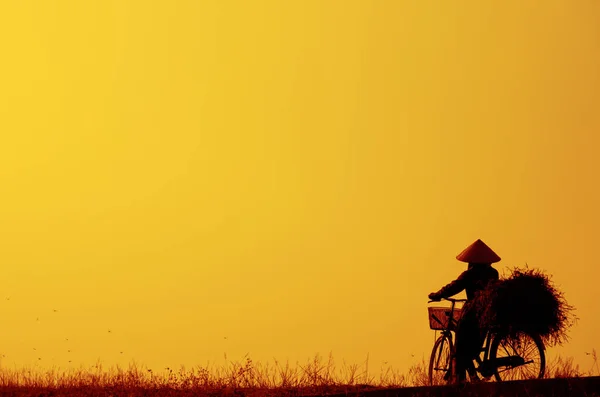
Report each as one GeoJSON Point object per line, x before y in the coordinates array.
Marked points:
{"type": "Point", "coordinates": [448, 332]}
{"type": "Point", "coordinates": [481, 368]}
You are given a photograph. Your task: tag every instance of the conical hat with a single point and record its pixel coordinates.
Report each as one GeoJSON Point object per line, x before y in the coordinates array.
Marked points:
{"type": "Point", "coordinates": [478, 252]}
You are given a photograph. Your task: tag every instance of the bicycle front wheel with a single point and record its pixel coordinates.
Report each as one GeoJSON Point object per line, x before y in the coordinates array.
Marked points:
{"type": "Point", "coordinates": [518, 357]}
{"type": "Point", "coordinates": [440, 363]}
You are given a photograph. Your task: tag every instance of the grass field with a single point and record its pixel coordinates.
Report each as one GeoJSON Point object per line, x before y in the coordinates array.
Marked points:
{"type": "Point", "coordinates": [317, 376]}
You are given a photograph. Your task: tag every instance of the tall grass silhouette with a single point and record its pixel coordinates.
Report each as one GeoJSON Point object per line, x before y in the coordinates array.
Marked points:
{"type": "Point", "coordinates": [317, 376]}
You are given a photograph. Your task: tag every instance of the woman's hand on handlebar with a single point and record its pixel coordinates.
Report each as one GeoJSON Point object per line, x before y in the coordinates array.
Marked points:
{"type": "Point", "coordinates": [435, 297]}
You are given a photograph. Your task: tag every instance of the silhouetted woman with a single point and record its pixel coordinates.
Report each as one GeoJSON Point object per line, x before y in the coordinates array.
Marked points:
{"type": "Point", "coordinates": [469, 337]}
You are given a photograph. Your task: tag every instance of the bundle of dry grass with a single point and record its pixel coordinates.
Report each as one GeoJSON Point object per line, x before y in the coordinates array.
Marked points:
{"type": "Point", "coordinates": [526, 301]}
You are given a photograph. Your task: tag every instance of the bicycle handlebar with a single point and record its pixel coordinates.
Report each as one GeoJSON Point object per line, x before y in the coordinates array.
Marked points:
{"type": "Point", "coordinates": [450, 300]}
{"type": "Point", "coordinates": [455, 300]}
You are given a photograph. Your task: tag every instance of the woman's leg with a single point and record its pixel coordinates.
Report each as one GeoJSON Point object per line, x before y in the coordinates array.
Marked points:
{"type": "Point", "coordinates": [467, 340]}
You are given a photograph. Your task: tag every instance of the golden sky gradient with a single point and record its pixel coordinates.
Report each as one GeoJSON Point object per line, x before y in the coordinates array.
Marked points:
{"type": "Point", "coordinates": [293, 176]}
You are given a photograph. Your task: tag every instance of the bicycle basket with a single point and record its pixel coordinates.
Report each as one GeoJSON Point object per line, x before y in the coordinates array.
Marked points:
{"type": "Point", "coordinates": [439, 316]}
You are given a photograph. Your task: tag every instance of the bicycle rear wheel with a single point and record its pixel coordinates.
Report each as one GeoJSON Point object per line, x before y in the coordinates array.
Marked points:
{"type": "Point", "coordinates": [440, 363]}
{"type": "Point", "coordinates": [518, 357]}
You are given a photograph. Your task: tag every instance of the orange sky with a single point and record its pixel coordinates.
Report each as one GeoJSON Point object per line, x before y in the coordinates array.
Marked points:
{"type": "Point", "coordinates": [294, 176]}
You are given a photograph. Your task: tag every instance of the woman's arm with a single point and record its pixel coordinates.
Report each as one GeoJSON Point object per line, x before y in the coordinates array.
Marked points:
{"type": "Point", "coordinates": [452, 288]}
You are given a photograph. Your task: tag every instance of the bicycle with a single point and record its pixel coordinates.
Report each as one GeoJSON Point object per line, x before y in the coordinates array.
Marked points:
{"type": "Point", "coordinates": [503, 356]}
